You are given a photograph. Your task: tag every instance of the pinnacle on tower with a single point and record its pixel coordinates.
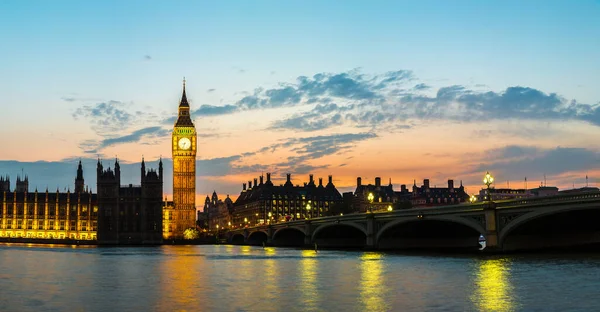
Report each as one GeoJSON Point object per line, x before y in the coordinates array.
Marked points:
{"type": "Point", "coordinates": [184, 101]}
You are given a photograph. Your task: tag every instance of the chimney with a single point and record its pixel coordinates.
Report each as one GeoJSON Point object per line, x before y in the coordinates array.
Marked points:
{"type": "Point", "coordinates": [268, 177]}
{"type": "Point", "coordinates": [320, 181]}
{"type": "Point", "coordinates": [261, 180]}
{"type": "Point", "coordinates": [250, 184]}
{"type": "Point", "coordinates": [426, 183]}
{"type": "Point", "coordinates": [255, 182]}
{"type": "Point", "coordinates": [377, 182]}
{"type": "Point", "coordinates": [310, 179]}
{"type": "Point", "coordinates": [243, 186]}
{"type": "Point", "coordinates": [289, 177]}
{"type": "Point", "coordinates": [331, 180]}
{"type": "Point", "coordinates": [451, 184]}
{"type": "Point", "coordinates": [358, 182]}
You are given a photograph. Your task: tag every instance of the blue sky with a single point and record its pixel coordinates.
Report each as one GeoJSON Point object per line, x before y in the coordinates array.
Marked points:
{"type": "Point", "coordinates": [59, 57]}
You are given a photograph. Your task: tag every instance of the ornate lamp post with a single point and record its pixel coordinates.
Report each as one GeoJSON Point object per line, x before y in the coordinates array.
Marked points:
{"type": "Point", "coordinates": [473, 199]}
{"type": "Point", "coordinates": [390, 208]}
{"type": "Point", "coordinates": [370, 198]}
{"type": "Point", "coordinates": [308, 210]}
{"type": "Point", "coordinates": [488, 180]}
{"type": "Point", "coordinates": [270, 216]}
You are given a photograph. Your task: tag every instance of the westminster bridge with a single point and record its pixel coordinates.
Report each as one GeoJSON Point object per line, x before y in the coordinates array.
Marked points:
{"type": "Point", "coordinates": [532, 223]}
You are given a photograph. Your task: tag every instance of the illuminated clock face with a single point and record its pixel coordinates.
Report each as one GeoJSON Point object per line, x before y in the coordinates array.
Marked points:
{"type": "Point", "coordinates": [185, 143]}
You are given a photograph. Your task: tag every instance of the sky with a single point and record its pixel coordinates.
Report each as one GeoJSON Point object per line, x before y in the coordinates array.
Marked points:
{"type": "Point", "coordinates": [402, 90]}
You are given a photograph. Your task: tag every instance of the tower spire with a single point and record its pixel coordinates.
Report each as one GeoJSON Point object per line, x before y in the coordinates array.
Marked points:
{"type": "Point", "coordinates": [184, 101]}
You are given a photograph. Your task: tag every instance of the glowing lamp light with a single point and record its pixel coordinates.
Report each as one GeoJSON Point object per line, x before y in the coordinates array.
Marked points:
{"type": "Point", "coordinates": [390, 208]}
{"type": "Point", "coordinates": [488, 179]}
{"type": "Point", "coordinates": [370, 197]}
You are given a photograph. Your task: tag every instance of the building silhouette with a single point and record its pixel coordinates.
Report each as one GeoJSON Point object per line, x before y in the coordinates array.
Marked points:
{"type": "Point", "coordinates": [47, 215]}
{"type": "Point", "coordinates": [129, 214]}
{"type": "Point", "coordinates": [182, 214]}
{"type": "Point", "coordinates": [264, 203]}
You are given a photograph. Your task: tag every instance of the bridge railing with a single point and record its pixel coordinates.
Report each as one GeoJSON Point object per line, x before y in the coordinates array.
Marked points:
{"type": "Point", "coordinates": [550, 199]}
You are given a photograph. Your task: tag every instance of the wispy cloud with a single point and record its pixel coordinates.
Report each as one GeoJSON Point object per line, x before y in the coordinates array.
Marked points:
{"type": "Point", "coordinates": [94, 147]}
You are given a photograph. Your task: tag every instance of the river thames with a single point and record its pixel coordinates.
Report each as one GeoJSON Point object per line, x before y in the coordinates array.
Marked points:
{"type": "Point", "coordinates": [243, 278]}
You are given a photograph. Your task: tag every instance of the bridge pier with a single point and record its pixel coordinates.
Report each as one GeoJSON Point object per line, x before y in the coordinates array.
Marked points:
{"type": "Point", "coordinates": [270, 235]}
{"type": "Point", "coordinates": [371, 235]}
{"type": "Point", "coordinates": [308, 231]}
{"type": "Point", "coordinates": [491, 227]}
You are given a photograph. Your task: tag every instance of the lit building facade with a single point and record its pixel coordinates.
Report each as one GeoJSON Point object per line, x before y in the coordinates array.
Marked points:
{"type": "Point", "coordinates": [182, 214]}
{"type": "Point", "coordinates": [384, 198]}
{"type": "Point", "coordinates": [264, 203]}
{"type": "Point", "coordinates": [48, 215]}
{"type": "Point", "coordinates": [219, 212]}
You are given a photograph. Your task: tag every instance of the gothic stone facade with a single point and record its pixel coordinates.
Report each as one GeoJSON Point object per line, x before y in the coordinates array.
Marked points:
{"type": "Point", "coordinates": [129, 214]}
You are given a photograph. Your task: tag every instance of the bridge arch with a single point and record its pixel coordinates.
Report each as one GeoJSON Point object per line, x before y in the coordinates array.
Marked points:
{"type": "Point", "coordinates": [322, 227]}
{"type": "Point", "coordinates": [237, 238]}
{"type": "Point", "coordinates": [257, 238]}
{"type": "Point", "coordinates": [555, 226]}
{"type": "Point", "coordinates": [340, 235]}
{"type": "Point", "coordinates": [289, 236]}
{"type": "Point", "coordinates": [456, 232]}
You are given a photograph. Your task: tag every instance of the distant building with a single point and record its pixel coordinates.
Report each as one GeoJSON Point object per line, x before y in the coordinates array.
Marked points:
{"type": "Point", "coordinates": [384, 196]}
{"type": "Point", "coordinates": [219, 212]}
{"type": "Point", "coordinates": [504, 194]}
{"type": "Point", "coordinates": [48, 215]}
{"type": "Point", "coordinates": [580, 190]}
{"type": "Point", "coordinates": [129, 214]}
{"type": "Point", "coordinates": [264, 203]}
{"type": "Point", "coordinates": [508, 193]}
{"type": "Point", "coordinates": [437, 196]}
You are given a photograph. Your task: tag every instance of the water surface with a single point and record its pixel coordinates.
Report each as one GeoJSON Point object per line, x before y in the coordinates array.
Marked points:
{"type": "Point", "coordinates": [243, 278]}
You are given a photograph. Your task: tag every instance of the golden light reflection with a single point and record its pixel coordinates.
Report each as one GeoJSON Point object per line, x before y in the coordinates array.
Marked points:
{"type": "Point", "coordinates": [371, 291]}
{"type": "Point", "coordinates": [271, 273]}
{"type": "Point", "coordinates": [308, 277]}
{"type": "Point", "coordinates": [179, 275]}
{"type": "Point", "coordinates": [493, 291]}
{"type": "Point", "coordinates": [246, 250]}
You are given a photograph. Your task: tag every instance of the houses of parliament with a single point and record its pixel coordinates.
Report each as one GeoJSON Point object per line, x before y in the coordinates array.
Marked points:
{"type": "Point", "coordinates": [117, 214]}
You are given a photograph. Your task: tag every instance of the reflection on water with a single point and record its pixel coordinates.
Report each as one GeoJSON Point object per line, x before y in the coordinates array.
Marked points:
{"type": "Point", "coordinates": [242, 278]}
{"type": "Point", "coordinates": [493, 291]}
{"type": "Point", "coordinates": [308, 279]}
{"type": "Point", "coordinates": [372, 289]}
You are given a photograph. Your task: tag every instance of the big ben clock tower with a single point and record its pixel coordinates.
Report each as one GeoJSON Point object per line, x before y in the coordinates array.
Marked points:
{"type": "Point", "coordinates": [183, 213]}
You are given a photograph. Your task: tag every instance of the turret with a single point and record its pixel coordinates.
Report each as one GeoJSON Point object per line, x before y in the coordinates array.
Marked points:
{"type": "Point", "coordinates": [160, 169]}
{"type": "Point", "coordinates": [79, 182]}
{"type": "Point", "coordinates": [143, 169]}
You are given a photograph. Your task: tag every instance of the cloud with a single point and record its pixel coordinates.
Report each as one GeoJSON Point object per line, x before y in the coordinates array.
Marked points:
{"type": "Point", "coordinates": [209, 110]}
{"type": "Point", "coordinates": [68, 99]}
{"type": "Point", "coordinates": [147, 57]}
{"type": "Point", "coordinates": [421, 86]}
{"type": "Point", "coordinates": [105, 117]}
{"type": "Point", "coordinates": [518, 162]}
{"type": "Point", "coordinates": [93, 147]}
{"type": "Point", "coordinates": [210, 90]}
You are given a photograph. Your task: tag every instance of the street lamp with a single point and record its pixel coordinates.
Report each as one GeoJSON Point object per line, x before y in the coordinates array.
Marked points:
{"type": "Point", "coordinates": [370, 198]}
{"type": "Point", "coordinates": [488, 180]}
{"type": "Point", "coordinates": [308, 210]}
{"type": "Point", "coordinates": [390, 208]}
{"type": "Point", "coordinates": [270, 214]}
{"type": "Point", "coordinates": [473, 199]}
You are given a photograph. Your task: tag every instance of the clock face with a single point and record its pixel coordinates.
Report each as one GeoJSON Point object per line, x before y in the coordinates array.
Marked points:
{"type": "Point", "coordinates": [185, 143]}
